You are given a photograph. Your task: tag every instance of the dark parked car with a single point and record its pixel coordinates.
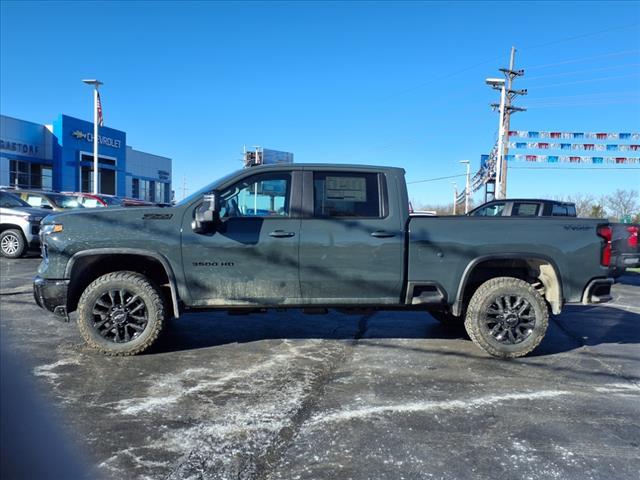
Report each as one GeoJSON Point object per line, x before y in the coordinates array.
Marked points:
{"type": "Point", "coordinates": [316, 236]}
{"type": "Point", "coordinates": [524, 207]}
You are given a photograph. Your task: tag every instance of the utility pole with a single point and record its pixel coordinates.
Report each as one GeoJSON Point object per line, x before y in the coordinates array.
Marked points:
{"type": "Point", "coordinates": [184, 187]}
{"type": "Point", "coordinates": [455, 196]}
{"type": "Point", "coordinates": [467, 193]}
{"type": "Point", "coordinates": [510, 74]}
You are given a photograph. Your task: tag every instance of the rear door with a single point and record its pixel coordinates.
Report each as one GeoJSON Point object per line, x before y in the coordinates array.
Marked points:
{"type": "Point", "coordinates": [351, 242]}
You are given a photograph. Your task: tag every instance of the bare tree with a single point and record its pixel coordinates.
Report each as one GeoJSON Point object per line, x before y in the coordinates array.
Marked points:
{"type": "Point", "coordinates": [622, 203]}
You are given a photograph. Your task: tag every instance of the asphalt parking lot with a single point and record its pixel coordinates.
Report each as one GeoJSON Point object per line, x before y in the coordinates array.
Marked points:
{"type": "Point", "coordinates": [391, 395]}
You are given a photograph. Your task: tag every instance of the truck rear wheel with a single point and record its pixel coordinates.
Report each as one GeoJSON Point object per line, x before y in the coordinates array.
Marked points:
{"type": "Point", "coordinates": [121, 313]}
{"type": "Point", "coordinates": [12, 243]}
{"type": "Point", "coordinates": [507, 317]}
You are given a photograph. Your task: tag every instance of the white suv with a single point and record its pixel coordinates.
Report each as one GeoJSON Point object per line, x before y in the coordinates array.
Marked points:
{"type": "Point", "coordinates": [19, 225]}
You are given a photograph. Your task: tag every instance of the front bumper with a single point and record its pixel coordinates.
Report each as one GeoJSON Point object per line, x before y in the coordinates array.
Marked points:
{"type": "Point", "coordinates": [52, 295]}
{"type": "Point", "coordinates": [598, 291]}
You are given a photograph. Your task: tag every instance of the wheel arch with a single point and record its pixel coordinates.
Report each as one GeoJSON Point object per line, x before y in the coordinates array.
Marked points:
{"type": "Point", "coordinates": [521, 265]}
{"type": "Point", "coordinates": [100, 261]}
{"type": "Point", "coordinates": [11, 226]}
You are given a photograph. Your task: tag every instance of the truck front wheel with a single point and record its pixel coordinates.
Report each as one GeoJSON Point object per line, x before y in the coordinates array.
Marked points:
{"type": "Point", "coordinates": [121, 313]}
{"type": "Point", "coordinates": [507, 317]}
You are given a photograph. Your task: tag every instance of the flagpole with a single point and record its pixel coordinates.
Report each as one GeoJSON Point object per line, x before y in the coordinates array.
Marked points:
{"type": "Point", "coordinates": [96, 84]}
{"type": "Point", "coordinates": [95, 139]}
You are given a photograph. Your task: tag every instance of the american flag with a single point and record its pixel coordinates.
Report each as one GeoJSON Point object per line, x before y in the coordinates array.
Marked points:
{"type": "Point", "coordinates": [100, 118]}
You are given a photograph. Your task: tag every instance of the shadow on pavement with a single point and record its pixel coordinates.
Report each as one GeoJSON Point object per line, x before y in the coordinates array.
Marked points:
{"type": "Point", "coordinates": [578, 326]}
{"type": "Point", "coordinates": [629, 278]}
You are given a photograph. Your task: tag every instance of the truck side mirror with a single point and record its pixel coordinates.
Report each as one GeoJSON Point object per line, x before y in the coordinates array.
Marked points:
{"type": "Point", "coordinates": [207, 214]}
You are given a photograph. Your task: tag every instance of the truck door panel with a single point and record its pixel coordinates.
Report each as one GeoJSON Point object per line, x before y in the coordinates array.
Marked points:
{"type": "Point", "coordinates": [351, 245]}
{"type": "Point", "coordinates": [252, 256]}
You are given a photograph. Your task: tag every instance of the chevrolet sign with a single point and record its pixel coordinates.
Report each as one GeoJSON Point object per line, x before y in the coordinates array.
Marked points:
{"type": "Point", "coordinates": [102, 140]}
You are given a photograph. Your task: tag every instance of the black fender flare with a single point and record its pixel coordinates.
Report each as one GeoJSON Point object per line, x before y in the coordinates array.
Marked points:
{"type": "Point", "coordinates": [131, 251]}
{"type": "Point", "coordinates": [457, 305]}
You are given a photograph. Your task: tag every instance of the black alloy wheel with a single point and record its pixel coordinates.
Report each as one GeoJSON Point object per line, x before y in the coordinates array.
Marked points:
{"type": "Point", "coordinates": [120, 315]}
{"type": "Point", "coordinates": [510, 319]}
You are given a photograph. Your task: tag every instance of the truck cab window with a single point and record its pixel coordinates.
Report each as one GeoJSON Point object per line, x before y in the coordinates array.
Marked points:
{"type": "Point", "coordinates": [257, 196]}
{"type": "Point", "coordinates": [493, 210]}
{"type": "Point", "coordinates": [522, 209]}
{"type": "Point", "coordinates": [342, 194]}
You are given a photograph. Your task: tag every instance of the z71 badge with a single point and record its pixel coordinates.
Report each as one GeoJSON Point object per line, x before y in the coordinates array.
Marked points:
{"type": "Point", "coordinates": [157, 216]}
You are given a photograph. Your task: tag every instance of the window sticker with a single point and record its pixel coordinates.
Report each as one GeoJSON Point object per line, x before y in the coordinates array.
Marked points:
{"type": "Point", "coordinates": [346, 189]}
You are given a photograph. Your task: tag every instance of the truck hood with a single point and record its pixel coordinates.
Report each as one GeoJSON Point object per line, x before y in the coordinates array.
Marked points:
{"type": "Point", "coordinates": [35, 212]}
{"type": "Point", "coordinates": [100, 215]}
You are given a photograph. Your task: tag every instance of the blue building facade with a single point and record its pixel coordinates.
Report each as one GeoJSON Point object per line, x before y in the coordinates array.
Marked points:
{"type": "Point", "coordinates": [59, 157]}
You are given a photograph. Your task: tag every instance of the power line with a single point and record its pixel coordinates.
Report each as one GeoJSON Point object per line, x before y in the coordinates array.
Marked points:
{"type": "Point", "coordinates": [437, 178]}
{"type": "Point", "coordinates": [575, 72]}
{"type": "Point", "coordinates": [596, 94]}
{"type": "Point", "coordinates": [586, 104]}
{"type": "Point", "coordinates": [583, 59]}
{"type": "Point", "coordinates": [582, 35]}
{"type": "Point", "coordinates": [587, 81]}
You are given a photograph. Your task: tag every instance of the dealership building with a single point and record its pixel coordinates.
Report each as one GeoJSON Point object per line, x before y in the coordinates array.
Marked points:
{"type": "Point", "coordinates": [59, 157]}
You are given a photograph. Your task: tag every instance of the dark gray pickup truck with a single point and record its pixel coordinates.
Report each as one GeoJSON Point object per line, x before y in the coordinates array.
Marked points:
{"type": "Point", "coordinates": [316, 236]}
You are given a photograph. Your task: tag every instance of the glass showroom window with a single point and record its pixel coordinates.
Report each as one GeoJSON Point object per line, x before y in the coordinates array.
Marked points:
{"type": "Point", "coordinates": [160, 189]}
{"type": "Point", "coordinates": [30, 175]}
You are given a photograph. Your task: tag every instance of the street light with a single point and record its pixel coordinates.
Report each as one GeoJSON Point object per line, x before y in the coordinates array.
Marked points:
{"type": "Point", "coordinates": [499, 84]}
{"type": "Point", "coordinates": [467, 193]}
{"type": "Point", "coordinates": [96, 84]}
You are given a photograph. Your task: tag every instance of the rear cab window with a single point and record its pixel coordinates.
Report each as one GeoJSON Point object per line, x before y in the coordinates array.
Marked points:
{"type": "Point", "coordinates": [525, 209]}
{"type": "Point", "coordinates": [348, 194]}
{"type": "Point", "coordinates": [560, 210]}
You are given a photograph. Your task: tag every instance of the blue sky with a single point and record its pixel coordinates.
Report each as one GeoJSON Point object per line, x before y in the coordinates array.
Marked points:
{"type": "Point", "coordinates": [364, 82]}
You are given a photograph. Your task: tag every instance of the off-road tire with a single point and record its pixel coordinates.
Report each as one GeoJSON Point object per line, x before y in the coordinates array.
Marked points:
{"type": "Point", "coordinates": [478, 308]}
{"type": "Point", "coordinates": [13, 239]}
{"type": "Point", "coordinates": [134, 283]}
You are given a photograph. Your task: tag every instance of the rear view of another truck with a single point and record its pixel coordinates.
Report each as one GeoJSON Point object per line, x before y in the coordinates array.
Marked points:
{"type": "Point", "coordinates": [625, 252]}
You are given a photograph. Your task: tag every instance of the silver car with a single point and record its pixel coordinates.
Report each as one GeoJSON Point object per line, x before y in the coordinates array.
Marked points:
{"type": "Point", "coordinates": [19, 225]}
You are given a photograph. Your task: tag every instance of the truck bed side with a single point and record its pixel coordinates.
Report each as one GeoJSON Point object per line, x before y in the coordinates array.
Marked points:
{"type": "Point", "coordinates": [448, 254]}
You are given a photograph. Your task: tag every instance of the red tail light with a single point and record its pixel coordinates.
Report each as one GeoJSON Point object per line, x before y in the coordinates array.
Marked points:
{"type": "Point", "coordinates": [605, 232]}
{"type": "Point", "coordinates": [632, 240]}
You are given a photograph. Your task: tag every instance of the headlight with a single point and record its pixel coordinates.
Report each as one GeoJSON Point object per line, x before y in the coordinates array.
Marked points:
{"type": "Point", "coordinates": [51, 228]}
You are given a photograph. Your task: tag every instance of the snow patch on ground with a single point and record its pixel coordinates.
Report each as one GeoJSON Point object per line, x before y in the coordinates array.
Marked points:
{"type": "Point", "coordinates": [167, 390]}
{"type": "Point", "coordinates": [230, 419]}
{"type": "Point", "coordinates": [619, 388]}
{"type": "Point", "coordinates": [47, 371]}
{"type": "Point", "coordinates": [413, 407]}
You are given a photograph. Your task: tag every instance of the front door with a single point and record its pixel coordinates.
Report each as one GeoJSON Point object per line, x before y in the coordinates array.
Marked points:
{"type": "Point", "coordinates": [351, 245]}
{"type": "Point", "coordinates": [252, 256]}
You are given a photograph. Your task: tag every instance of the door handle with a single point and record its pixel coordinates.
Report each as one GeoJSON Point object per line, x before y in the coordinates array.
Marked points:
{"type": "Point", "coordinates": [281, 234]}
{"type": "Point", "coordinates": [383, 234]}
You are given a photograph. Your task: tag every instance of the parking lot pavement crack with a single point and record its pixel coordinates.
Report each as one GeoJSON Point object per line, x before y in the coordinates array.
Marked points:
{"type": "Point", "coordinates": [286, 437]}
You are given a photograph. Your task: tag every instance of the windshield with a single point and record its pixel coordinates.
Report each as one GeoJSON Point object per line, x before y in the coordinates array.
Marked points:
{"type": "Point", "coordinates": [8, 200]}
{"type": "Point", "coordinates": [64, 201]}
{"type": "Point", "coordinates": [111, 201]}
{"type": "Point", "coordinates": [208, 188]}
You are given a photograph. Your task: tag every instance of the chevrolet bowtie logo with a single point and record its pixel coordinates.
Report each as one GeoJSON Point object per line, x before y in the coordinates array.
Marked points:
{"type": "Point", "coordinates": [78, 134]}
